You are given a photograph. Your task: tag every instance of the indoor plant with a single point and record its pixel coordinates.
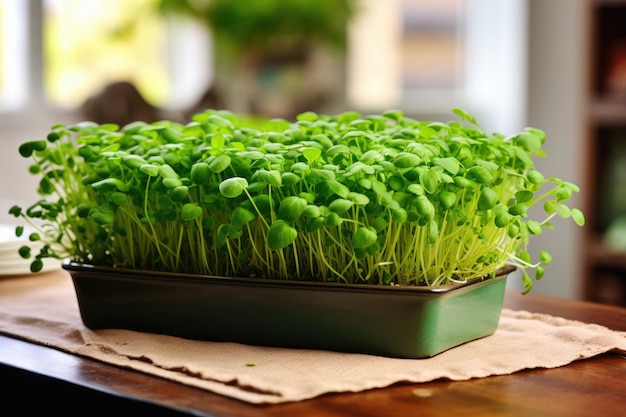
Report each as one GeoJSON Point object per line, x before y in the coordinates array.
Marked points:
{"type": "Point", "coordinates": [267, 53]}
{"type": "Point", "coordinates": [382, 202]}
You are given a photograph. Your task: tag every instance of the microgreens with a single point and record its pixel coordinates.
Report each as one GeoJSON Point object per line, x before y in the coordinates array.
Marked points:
{"type": "Point", "coordinates": [378, 199]}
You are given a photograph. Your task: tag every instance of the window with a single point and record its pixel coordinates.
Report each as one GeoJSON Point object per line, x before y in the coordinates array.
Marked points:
{"type": "Point", "coordinates": [406, 50]}
{"type": "Point", "coordinates": [57, 53]}
{"type": "Point", "coordinates": [13, 53]}
{"type": "Point", "coordinates": [424, 56]}
{"type": "Point", "coordinates": [432, 44]}
{"type": "Point", "coordinates": [427, 56]}
{"type": "Point", "coordinates": [88, 44]}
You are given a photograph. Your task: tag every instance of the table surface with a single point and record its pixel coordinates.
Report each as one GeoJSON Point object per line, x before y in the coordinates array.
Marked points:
{"type": "Point", "coordinates": [37, 379]}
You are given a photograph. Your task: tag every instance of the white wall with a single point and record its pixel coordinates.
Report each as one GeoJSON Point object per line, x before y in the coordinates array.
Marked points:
{"type": "Point", "coordinates": [556, 96]}
{"type": "Point", "coordinates": [16, 184]}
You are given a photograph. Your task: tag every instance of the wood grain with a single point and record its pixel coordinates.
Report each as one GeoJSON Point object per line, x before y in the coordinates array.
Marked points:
{"type": "Point", "coordinates": [36, 376]}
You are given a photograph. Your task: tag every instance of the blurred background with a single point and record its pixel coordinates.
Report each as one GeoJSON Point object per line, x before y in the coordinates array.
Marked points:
{"type": "Point", "coordinates": [557, 65]}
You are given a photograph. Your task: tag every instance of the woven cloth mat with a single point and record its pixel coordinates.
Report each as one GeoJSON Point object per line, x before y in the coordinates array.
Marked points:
{"type": "Point", "coordinates": [43, 309]}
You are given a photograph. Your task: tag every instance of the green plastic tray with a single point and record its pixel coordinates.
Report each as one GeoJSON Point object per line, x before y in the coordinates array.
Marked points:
{"type": "Point", "coordinates": [403, 322]}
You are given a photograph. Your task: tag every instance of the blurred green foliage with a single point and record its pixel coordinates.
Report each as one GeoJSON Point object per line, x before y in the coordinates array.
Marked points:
{"type": "Point", "coordinates": [261, 24]}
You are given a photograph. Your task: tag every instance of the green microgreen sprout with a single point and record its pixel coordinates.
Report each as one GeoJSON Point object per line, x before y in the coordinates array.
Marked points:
{"type": "Point", "coordinates": [379, 199]}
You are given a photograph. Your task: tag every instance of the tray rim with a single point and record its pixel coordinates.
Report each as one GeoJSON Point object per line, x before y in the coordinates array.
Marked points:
{"type": "Point", "coordinates": [107, 272]}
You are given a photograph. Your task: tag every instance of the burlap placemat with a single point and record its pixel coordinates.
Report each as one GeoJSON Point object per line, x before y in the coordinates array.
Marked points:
{"type": "Point", "coordinates": [43, 309]}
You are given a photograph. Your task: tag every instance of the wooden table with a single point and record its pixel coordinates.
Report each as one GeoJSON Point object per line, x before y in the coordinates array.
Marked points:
{"type": "Point", "coordinates": [35, 380]}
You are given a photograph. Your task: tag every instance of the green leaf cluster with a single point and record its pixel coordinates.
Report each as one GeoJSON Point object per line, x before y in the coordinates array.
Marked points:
{"type": "Point", "coordinates": [258, 24]}
{"type": "Point", "coordinates": [376, 199]}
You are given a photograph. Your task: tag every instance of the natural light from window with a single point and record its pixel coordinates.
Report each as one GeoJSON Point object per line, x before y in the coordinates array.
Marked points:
{"type": "Point", "coordinates": [408, 54]}
{"type": "Point", "coordinates": [400, 48]}
{"type": "Point", "coordinates": [13, 56]}
{"type": "Point", "coordinates": [88, 44]}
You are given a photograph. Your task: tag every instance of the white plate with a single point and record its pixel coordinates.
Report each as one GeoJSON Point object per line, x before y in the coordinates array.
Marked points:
{"type": "Point", "coordinates": [10, 250]}
{"type": "Point", "coordinates": [7, 235]}
{"type": "Point", "coordinates": [23, 268]}
{"type": "Point", "coordinates": [10, 261]}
